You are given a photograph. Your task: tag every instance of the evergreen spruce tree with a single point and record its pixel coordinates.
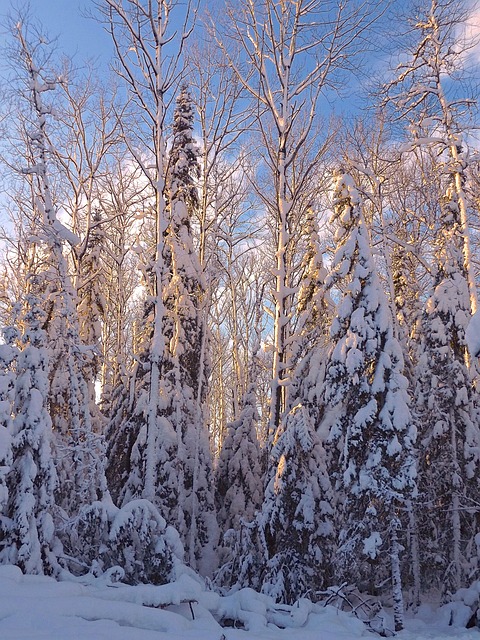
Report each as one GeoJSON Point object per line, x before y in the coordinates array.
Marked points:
{"type": "Point", "coordinates": [239, 481]}
{"type": "Point", "coordinates": [133, 541]}
{"type": "Point", "coordinates": [448, 415]}
{"type": "Point", "coordinates": [29, 538]}
{"type": "Point", "coordinates": [313, 305]}
{"type": "Point", "coordinates": [8, 361]}
{"type": "Point", "coordinates": [240, 485]}
{"type": "Point", "coordinates": [78, 449]}
{"type": "Point", "coordinates": [286, 550]}
{"type": "Point", "coordinates": [183, 470]}
{"type": "Point", "coordinates": [296, 520]}
{"type": "Point", "coordinates": [371, 432]}
{"type": "Point", "coordinates": [186, 366]}
{"type": "Point", "coordinates": [79, 465]}
{"type": "Point", "coordinates": [314, 310]}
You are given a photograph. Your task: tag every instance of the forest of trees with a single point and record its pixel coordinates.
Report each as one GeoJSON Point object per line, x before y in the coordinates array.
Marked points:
{"type": "Point", "coordinates": [235, 306]}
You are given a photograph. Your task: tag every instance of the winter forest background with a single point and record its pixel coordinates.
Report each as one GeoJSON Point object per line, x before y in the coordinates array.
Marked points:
{"type": "Point", "coordinates": [235, 307]}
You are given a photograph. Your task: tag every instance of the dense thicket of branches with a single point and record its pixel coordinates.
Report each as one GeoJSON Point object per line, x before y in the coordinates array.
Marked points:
{"type": "Point", "coordinates": [235, 328]}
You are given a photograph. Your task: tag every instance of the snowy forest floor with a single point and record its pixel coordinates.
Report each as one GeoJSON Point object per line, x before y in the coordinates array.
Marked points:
{"type": "Point", "coordinates": [37, 607]}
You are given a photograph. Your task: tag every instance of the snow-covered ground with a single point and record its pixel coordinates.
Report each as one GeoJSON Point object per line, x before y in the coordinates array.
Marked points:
{"type": "Point", "coordinates": [34, 607]}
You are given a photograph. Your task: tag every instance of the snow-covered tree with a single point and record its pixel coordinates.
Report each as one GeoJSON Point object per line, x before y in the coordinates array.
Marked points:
{"type": "Point", "coordinates": [133, 540]}
{"type": "Point", "coordinates": [236, 289]}
{"type": "Point", "coordinates": [185, 369]}
{"type": "Point", "coordinates": [150, 73]}
{"type": "Point", "coordinates": [8, 357]}
{"type": "Point", "coordinates": [91, 311]}
{"type": "Point", "coordinates": [286, 550]}
{"type": "Point", "coordinates": [371, 431]}
{"type": "Point", "coordinates": [431, 92]}
{"type": "Point", "coordinates": [240, 484]}
{"type": "Point", "coordinates": [314, 309]}
{"type": "Point", "coordinates": [312, 306]}
{"type": "Point", "coordinates": [182, 475]}
{"type": "Point", "coordinates": [28, 533]}
{"type": "Point", "coordinates": [285, 55]}
{"type": "Point", "coordinates": [239, 474]}
{"type": "Point", "coordinates": [407, 304]}
{"type": "Point", "coordinates": [296, 520]}
{"type": "Point", "coordinates": [239, 481]}
{"type": "Point", "coordinates": [77, 458]}
{"type": "Point", "coordinates": [448, 413]}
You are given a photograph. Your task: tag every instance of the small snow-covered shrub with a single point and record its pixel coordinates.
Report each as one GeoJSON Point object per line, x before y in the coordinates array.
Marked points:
{"type": "Point", "coordinates": [140, 544]}
{"type": "Point", "coordinates": [287, 577]}
{"type": "Point", "coordinates": [90, 537]}
{"type": "Point", "coordinates": [135, 538]}
{"type": "Point", "coordinates": [243, 559]}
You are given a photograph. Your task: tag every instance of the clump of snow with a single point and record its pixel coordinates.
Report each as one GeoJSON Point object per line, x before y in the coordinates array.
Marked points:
{"type": "Point", "coordinates": [372, 544]}
{"type": "Point", "coordinates": [472, 335]}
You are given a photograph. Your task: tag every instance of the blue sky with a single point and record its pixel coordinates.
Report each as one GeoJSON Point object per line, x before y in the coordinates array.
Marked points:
{"type": "Point", "coordinates": [84, 38]}
{"type": "Point", "coordinates": [78, 35]}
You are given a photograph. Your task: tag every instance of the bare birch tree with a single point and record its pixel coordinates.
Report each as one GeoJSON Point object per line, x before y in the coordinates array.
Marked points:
{"type": "Point", "coordinates": [291, 53]}
{"type": "Point", "coordinates": [428, 94]}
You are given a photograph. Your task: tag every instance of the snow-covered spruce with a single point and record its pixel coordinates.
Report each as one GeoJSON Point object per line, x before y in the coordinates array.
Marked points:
{"type": "Point", "coordinates": [311, 338]}
{"type": "Point", "coordinates": [314, 306]}
{"type": "Point", "coordinates": [285, 552]}
{"type": "Point", "coordinates": [186, 365]}
{"type": "Point", "coordinates": [446, 403]}
{"type": "Point", "coordinates": [448, 418]}
{"type": "Point", "coordinates": [240, 486]}
{"type": "Point", "coordinates": [8, 362]}
{"type": "Point", "coordinates": [28, 538]}
{"type": "Point", "coordinates": [173, 450]}
{"type": "Point", "coordinates": [239, 493]}
{"type": "Point", "coordinates": [135, 539]}
{"type": "Point", "coordinates": [239, 481]}
{"type": "Point", "coordinates": [79, 466]}
{"type": "Point", "coordinates": [296, 520]}
{"type": "Point", "coordinates": [371, 437]}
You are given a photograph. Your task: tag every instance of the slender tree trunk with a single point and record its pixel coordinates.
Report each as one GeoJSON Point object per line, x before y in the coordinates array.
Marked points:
{"type": "Point", "coordinates": [158, 341]}
{"type": "Point", "coordinates": [281, 320]}
{"type": "Point", "coordinates": [398, 608]}
{"type": "Point", "coordinates": [414, 553]}
{"type": "Point", "coordinates": [456, 524]}
{"type": "Point", "coordinates": [458, 175]}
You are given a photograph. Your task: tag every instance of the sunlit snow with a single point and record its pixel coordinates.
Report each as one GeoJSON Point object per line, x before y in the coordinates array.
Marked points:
{"type": "Point", "coordinates": [37, 607]}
